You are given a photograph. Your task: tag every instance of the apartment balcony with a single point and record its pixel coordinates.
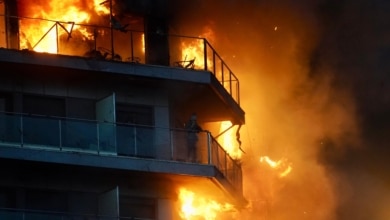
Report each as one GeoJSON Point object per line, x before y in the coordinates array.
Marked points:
{"type": "Point", "coordinates": [116, 146]}
{"type": "Point", "coordinates": [104, 43]}
{"type": "Point", "coordinates": [24, 214]}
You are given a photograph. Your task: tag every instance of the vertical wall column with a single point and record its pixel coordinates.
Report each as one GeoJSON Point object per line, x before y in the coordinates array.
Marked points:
{"type": "Point", "coordinates": [156, 41]}
{"type": "Point", "coordinates": [12, 24]}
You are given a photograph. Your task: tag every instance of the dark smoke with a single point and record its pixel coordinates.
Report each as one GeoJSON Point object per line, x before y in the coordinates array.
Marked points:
{"type": "Point", "coordinates": [315, 81]}
{"type": "Point", "coordinates": [355, 44]}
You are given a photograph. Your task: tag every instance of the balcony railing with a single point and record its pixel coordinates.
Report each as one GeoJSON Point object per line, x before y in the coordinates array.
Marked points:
{"type": "Point", "coordinates": [107, 43]}
{"type": "Point", "coordinates": [124, 140]}
{"type": "Point", "coordinates": [24, 214]}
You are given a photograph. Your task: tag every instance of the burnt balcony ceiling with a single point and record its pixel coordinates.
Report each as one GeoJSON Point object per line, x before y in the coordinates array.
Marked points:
{"type": "Point", "coordinates": [190, 90]}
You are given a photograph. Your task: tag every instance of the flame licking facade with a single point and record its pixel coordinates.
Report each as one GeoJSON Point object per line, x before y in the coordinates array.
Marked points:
{"type": "Point", "coordinates": [92, 108]}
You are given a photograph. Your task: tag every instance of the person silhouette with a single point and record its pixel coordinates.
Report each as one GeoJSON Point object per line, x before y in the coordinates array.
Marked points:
{"type": "Point", "coordinates": [193, 128]}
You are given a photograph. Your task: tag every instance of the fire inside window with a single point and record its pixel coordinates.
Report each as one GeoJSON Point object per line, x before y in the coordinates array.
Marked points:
{"type": "Point", "coordinates": [82, 30]}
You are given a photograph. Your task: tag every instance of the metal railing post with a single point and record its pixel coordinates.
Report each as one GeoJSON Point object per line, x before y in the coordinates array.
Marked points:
{"type": "Point", "coordinates": [115, 138]}
{"type": "Point", "coordinates": [226, 166]}
{"type": "Point", "coordinates": [222, 73]}
{"type": "Point", "coordinates": [132, 46]}
{"type": "Point", "coordinates": [135, 140]}
{"type": "Point", "coordinates": [230, 83]}
{"type": "Point", "coordinates": [214, 66]}
{"type": "Point", "coordinates": [171, 143]}
{"type": "Point", "coordinates": [98, 137]}
{"type": "Point", "coordinates": [60, 134]}
{"type": "Point", "coordinates": [210, 160]}
{"type": "Point", "coordinates": [238, 92]}
{"type": "Point", "coordinates": [57, 38]}
{"type": "Point", "coordinates": [205, 53]}
{"type": "Point", "coordinates": [21, 131]}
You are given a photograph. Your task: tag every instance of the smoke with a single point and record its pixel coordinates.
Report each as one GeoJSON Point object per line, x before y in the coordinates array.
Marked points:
{"type": "Point", "coordinates": [314, 79]}
{"type": "Point", "coordinates": [314, 86]}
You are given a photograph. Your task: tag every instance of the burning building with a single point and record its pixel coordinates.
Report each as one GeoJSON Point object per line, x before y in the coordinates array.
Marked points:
{"type": "Point", "coordinates": [94, 97]}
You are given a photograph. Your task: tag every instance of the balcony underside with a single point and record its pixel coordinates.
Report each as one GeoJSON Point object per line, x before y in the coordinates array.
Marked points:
{"type": "Point", "coordinates": [137, 172]}
{"type": "Point", "coordinates": [190, 90]}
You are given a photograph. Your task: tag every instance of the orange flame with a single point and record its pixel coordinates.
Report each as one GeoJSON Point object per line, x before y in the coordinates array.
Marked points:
{"type": "Point", "coordinates": [228, 140]}
{"type": "Point", "coordinates": [194, 50]}
{"type": "Point", "coordinates": [100, 8]}
{"type": "Point", "coordinates": [281, 165]}
{"type": "Point", "coordinates": [196, 207]}
{"type": "Point", "coordinates": [55, 18]}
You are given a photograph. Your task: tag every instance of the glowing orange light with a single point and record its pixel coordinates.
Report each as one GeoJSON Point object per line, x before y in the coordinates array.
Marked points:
{"type": "Point", "coordinates": [55, 18]}
{"type": "Point", "coordinates": [100, 8]}
{"type": "Point", "coordinates": [228, 140]}
{"type": "Point", "coordinates": [143, 43]}
{"type": "Point", "coordinates": [194, 50]}
{"type": "Point", "coordinates": [281, 165]}
{"type": "Point", "coordinates": [196, 207]}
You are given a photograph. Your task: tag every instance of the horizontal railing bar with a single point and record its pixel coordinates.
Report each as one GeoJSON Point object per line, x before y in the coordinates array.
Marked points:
{"type": "Point", "coordinates": [65, 214]}
{"type": "Point", "coordinates": [87, 140]}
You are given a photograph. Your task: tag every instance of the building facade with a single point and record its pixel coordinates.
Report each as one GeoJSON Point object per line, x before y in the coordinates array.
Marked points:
{"type": "Point", "coordinates": [95, 128]}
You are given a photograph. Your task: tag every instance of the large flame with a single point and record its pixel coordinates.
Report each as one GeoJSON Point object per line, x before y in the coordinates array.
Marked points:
{"type": "Point", "coordinates": [101, 7]}
{"type": "Point", "coordinates": [281, 166]}
{"type": "Point", "coordinates": [194, 51]}
{"type": "Point", "coordinates": [56, 17]}
{"type": "Point", "coordinates": [228, 140]}
{"type": "Point", "coordinates": [197, 207]}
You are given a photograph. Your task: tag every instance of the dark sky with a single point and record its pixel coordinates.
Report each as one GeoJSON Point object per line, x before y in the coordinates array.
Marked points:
{"type": "Point", "coordinates": [327, 60]}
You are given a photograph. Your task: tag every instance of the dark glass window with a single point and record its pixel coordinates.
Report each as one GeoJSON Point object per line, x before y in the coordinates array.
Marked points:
{"type": "Point", "coordinates": [80, 108]}
{"type": "Point", "coordinates": [135, 139]}
{"type": "Point", "coordinates": [5, 102]}
{"type": "Point", "coordinates": [137, 207]}
{"type": "Point", "coordinates": [44, 105]}
{"type": "Point", "coordinates": [46, 200]}
{"type": "Point", "coordinates": [7, 197]}
{"type": "Point", "coordinates": [135, 114]}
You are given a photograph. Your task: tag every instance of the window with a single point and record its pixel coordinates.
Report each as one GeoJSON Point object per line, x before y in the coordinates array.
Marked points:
{"type": "Point", "coordinates": [42, 130]}
{"type": "Point", "coordinates": [135, 140]}
{"type": "Point", "coordinates": [136, 207]}
{"type": "Point", "coordinates": [80, 108]}
{"type": "Point", "coordinates": [44, 105]}
{"type": "Point", "coordinates": [135, 114]}
{"type": "Point", "coordinates": [5, 102]}
{"type": "Point", "coordinates": [7, 197]}
{"type": "Point", "coordinates": [46, 200]}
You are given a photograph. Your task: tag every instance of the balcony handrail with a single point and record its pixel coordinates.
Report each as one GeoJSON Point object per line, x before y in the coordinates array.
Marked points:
{"type": "Point", "coordinates": [230, 83]}
{"type": "Point", "coordinates": [26, 212]}
{"type": "Point", "coordinates": [98, 121]}
{"type": "Point", "coordinates": [106, 138]}
{"type": "Point", "coordinates": [223, 65]}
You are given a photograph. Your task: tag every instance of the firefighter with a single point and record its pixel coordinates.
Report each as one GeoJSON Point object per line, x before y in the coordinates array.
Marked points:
{"type": "Point", "coordinates": [193, 129]}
